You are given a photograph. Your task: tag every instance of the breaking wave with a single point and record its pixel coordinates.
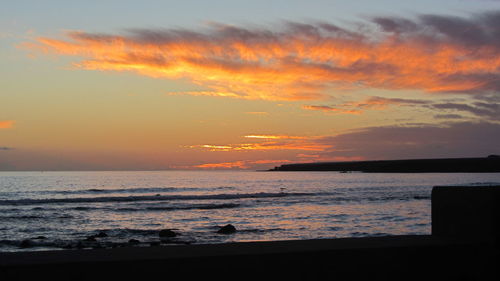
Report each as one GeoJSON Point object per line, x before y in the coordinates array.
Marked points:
{"type": "Point", "coordinates": [149, 198]}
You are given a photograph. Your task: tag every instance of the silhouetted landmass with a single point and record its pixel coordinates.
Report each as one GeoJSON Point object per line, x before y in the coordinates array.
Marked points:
{"type": "Point", "coordinates": [490, 164]}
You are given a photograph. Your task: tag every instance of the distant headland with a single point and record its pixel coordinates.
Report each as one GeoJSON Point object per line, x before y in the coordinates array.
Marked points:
{"type": "Point", "coordinates": [490, 164]}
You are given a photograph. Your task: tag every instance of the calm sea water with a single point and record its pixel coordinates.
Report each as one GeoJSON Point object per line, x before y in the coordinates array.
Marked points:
{"type": "Point", "coordinates": [67, 207]}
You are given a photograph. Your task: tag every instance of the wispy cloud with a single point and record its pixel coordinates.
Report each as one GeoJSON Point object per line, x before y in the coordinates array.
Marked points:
{"type": "Point", "coordinates": [223, 165]}
{"type": "Point", "coordinates": [6, 124]}
{"type": "Point", "coordinates": [371, 103]}
{"type": "Point", "coordinates": [331, 109]}
{"type": "Point", "coordinates": [268, 143]}
{"type": "Point", "coordinates": [275, 137]}
{"type": "Point", "coordinates": [242, 164]}
{"type": "Point", "coordinates": [381, 102]}
{"type": "Point", "coordinates": [297, 61]}
{"type": "Point", "coordinates": [448, 116]}
{"type": "Point", "coordinates": [485, 110]}
{"type": "Point", "coordinates": [257, 113]}
{"type": "Point", "coordinates": [486, 107]}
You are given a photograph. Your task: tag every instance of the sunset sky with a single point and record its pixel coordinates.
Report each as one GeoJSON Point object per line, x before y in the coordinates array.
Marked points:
{"type": "Point", "coordinates": [134, 85]}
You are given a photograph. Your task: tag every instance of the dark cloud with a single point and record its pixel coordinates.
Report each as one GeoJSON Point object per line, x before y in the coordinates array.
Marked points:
{"type": "Point", "coordinates": [373, 102]}
{"type": "Point", "coordinates": [478, 30]}
{"type": "Point", "coordinates": [5, 148]}
{"type": "Point", "coordinates": [454, 106]}
{"type": "Point", "coordinates": [486, 107]}
{"type": "Point", "coordinates": [488, 111]}
{"type": "Point", "coordinates": [396, 25]}
{"type": "Point", "coordinates": [461, 139]}
{"type": "Point", "coordinates": [459, 30]}
{"type": "Point", "coordinates": [399, 101]}
{"type": "Point", "coordinates": [448, 116]}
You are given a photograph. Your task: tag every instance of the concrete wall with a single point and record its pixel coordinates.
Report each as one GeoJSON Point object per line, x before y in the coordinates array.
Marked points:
{"type": "Point", "coordinates": [466, 212]}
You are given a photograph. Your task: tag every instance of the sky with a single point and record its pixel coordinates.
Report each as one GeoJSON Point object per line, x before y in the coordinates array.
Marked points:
{"type": "Point", "coordinates": [158, 85]}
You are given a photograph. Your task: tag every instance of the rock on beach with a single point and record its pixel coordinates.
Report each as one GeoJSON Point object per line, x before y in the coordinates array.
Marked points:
{"type": "Point", "coordinates": [227, 229]}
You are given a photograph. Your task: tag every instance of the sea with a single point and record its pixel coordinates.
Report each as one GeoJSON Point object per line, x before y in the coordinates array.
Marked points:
{"type": "Point", "coordinates": [107, 209]}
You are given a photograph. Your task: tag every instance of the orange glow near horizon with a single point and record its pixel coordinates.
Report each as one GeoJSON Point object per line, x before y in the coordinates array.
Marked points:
{"type": "Point", "coordinates": [248, 164]}
{"type": "Point", "coordinates": [241, 164]}
{"type": "Point", "coordinates": [275, 137]}
{"type": "Point", "coordinates": [263, 146]}
{"type": "Point", "coordinates": [269, 143]}
{"type": "Point", "coordinates": [224, 165]}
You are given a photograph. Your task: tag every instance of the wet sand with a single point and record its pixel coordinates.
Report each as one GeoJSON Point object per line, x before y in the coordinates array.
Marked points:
{"type": "Point", "coordinates": [383, 258]}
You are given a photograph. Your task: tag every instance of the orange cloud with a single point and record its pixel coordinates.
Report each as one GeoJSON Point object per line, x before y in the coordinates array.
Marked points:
{"type": "Point", "coordinates": [330, 109]}
{"type": "Point", "coordinates": [269, 142]}
{"type": "Point", "coordinates": [381, 103]}
{"type": "Point", "coordinates": [304, 61]}
{"type": "Point", "coordinates": [216, 147]}
{"type": "Point", "coordinates": [6, 124]}
{"type": "Point", "coordinates": [274, 137]}
{"type": "Point", "coordinates": [308, 146]}
{"type": "Point", "coordinates": [243, 164]}
{"type": "Point", "coordinates": [224, 165]}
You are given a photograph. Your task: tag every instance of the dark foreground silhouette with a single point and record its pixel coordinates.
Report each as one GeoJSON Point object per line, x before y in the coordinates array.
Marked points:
{"type": "Point", "coordinates": [490, 164]}
{"type": "Point", "coordinates": [463, 246]}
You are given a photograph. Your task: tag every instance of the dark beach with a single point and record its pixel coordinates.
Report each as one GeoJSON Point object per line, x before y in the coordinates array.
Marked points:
{"type": "Point", "coordinates": [398, 257]}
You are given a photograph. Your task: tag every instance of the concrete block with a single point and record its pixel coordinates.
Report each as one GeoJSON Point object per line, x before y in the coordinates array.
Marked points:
{"type": "Point", "coordinates": [466, 212]}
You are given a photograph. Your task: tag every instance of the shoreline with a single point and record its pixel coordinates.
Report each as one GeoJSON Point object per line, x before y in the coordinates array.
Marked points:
{"type": "Point", "coordinates": [373, 257]}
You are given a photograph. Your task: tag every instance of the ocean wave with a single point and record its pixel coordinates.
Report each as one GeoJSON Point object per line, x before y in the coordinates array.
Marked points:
{"type": "Point", "coordinates": [133, 190]}
{"type": "Point", "coordinates": [33, 217]}
{"type": "Point", "coordinates": [327, 196]}
{"type": "Point", "coordinates": [197, 206]}
{"type": "Point", "coordinates": [21, 217]}
{"type": "Point", "coordinates": [225, 196]}
{"type": "Point", "coordinates": [256, 230]}
{"type": "Point", "coordinates": [487, 183]}
{"type": "Point", "coordinates": [137, 209]}
{"type": "Point", "coordinates": [183, 207]}
{"type": "Point", "coordinates": [398, 197]}
{"type": "Point", "coordinates": [125, 232]}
